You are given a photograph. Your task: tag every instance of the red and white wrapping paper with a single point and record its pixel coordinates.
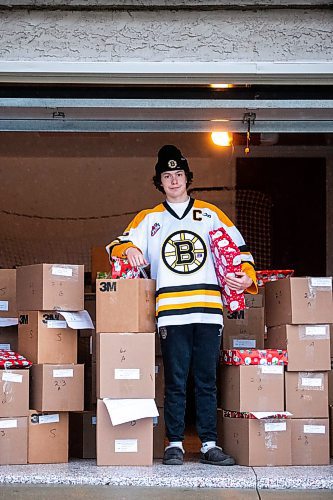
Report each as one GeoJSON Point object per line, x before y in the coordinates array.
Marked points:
{"type": "Point", "coordinates": [122, 269]}
{"type": "Point", "coordinates": [257, 415]}
{"type": "Point", "coordinates": [269, 357]}
{"type": "Point", "coordinates": [227, 259]}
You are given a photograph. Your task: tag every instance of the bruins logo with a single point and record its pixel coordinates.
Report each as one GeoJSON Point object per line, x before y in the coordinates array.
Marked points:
{"type": "Point", "coordinates": [184, 252]}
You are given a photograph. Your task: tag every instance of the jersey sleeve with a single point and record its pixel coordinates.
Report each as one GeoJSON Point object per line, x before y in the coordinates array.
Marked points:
{"type": "Point", "coordinates": [248, 267]}
{"type": "Point", "coordinates": [135, 235]}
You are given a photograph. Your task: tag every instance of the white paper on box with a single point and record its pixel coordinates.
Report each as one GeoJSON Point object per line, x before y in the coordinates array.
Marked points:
{"type": "Point", "coordinates": [275, 426]}
{"type": "Point", "coordinates": [93, 420]}
{"type": "Point", "coordinates": [127, 373]}
{"type": "Point", "coordinates": [311, 382]}
{"type": "Point", "coordinates": [64, 372]}
{"type": "Point", "coordinates": [8, 321]}
{"type": "Point", "coordinates": [62, 271]}
{"type": "Point", "coordinates": [126, 445]}
{"type": "Point", "coordinates": [5, 347]}
{"type": "Point", "coordinates": [270, 414]}
{"type": "Point", "coordinates": [48, 419]}
{"type": "Point", "coordinates": [244, 343]}
{"type": "Point", "coordinates": [275, 369]}
{"type": "Point", "coordinates": [8, 424]}
{"type": "Point", "coordinates": [56, 323]}
{"type": "Point", "coordinates": [78, 320]}
{"type": "Point", "coordinates": [12, 377]}
{"type": "Point", "coordinates": [320, 330]}
{"type": "Point", "coordinates": [3, 305]}
{"type": "Point", "coordinates": [322, 282]}
{"type": "Point", "coordinates": [314, 429]}
{"type": "Point", "coordinates": [126, 410]}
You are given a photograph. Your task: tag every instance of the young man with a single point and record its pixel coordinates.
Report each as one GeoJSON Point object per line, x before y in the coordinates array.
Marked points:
{"type": "Point", "coordinates": [173, 238]}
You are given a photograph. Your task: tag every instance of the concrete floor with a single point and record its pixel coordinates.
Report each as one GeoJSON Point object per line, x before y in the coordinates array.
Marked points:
{"type": "Point", "coordinates": [188, 477]}
{"type": "Point", "coordinates": [32, 492]}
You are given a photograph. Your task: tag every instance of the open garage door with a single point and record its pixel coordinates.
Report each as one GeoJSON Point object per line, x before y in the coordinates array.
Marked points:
{"type": "Point", "coordinates": [290, 109]}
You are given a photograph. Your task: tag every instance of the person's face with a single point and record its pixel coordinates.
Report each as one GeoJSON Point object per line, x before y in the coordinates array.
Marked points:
{"type": "Point", "coordinates": [174, 185]}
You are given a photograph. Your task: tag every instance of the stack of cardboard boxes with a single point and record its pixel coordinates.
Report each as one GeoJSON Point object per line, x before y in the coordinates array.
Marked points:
{"type": "Point", "coordinates": [14, 384]}
{"type": "Point", "coordinates": [46, 293]}
{"type": "Point", "coordinates": [249, 393]}
{"type": "Point", "coordinates": [125, 351]}
{"type": "Point", "coordinates": [298, 314]}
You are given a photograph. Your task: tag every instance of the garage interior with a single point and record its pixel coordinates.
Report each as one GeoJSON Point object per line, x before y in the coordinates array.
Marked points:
{"type": "Point", "coordinates": [72, 177]}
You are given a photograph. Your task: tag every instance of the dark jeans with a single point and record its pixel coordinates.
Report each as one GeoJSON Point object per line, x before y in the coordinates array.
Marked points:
{"type": "Point", "coordinates": [199, 343]}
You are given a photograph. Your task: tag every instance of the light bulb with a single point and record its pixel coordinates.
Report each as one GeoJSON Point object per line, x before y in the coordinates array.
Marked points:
{"type": "Point", "coordinates": [222, 138]}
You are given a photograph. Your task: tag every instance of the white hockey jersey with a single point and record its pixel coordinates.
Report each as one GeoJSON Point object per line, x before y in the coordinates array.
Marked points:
{"type": "Point", "coordinates": [178, 251]}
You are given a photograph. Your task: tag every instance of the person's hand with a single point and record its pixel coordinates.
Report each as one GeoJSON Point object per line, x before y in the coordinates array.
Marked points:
{"type": "Point", "coordinates": [240, 281]}
{"type": "Point", "coordinates": [135, 257]}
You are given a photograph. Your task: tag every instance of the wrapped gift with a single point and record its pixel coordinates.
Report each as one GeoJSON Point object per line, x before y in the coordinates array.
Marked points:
{"type": "Point", "coordinates": [258, 415]}
{"type": "Point", "coordinates": [11, 359]}
{"type": "Point", "coordinates": [227, 260]}
{"type": "Point", "coordinates": [255, 357]}
{"type": "Point", "coordinates": [122, 269]}
{"type": "Point", "coordinates": [266, 275]}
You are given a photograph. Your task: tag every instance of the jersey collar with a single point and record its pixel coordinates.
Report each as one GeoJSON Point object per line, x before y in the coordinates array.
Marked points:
{"type": "Point", "coordinates": [169, 209]}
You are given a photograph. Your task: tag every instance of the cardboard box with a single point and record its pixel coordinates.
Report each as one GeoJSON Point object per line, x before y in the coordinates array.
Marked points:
{"type": "Point", "coordinates": [310, 441]}
{"type": "Point", "coordinates": [252, 388]}
{"type": "Point", "coordinates": [308, 346]}
{"type": "Point", "coordinates": [57, 387]}
{"type": "Point", "coordinates": [82, 434]}
{"type": "Point", "coordinates": [47, 437]}
{"type": "Point", "coordinates": [258, 443]}
{"type": "Point", "coordinates": [125, 365]}
{"type": "Point", "coordinates": [8, 307]}
{"type": "Point", "coordinates": [307, 394]}
{"type": "Point", "coordinates": [130, 443]}
{"type": "Point", "coordinates": [44, 287]}
{"type": "Point", "coordinates": [9, 338]}
{"type": "Point", "coordinates": [14, 393]}
{"type": "Point", "coordinates": [299, 301]}
{"type": "Point", "coordinates": [244, 329]}
{"type": "Point", "coordinates": [13, 441]}
{"type": "Point", "coordinates": [125, 305]}
{"type": "Point", "coordinates": [44, 337]}
{"type": "Point", "coordinates": [159, 434]}
{"type": "Point", "coordinates": [159, 381]}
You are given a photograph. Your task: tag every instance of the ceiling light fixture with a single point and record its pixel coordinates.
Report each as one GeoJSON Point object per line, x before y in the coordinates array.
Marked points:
{"type": "Point", "coordinates": [223, 139]}
{"type": "Point", "coordinates": [221, 85]}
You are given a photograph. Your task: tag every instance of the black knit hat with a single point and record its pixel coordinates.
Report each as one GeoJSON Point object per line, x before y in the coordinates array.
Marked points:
{"type": "Point", "coordinates": [170, 158]}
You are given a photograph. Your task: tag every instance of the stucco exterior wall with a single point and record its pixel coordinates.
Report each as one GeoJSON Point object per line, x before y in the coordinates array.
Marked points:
{"type": "Point", "coordinates": [153, 35]}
